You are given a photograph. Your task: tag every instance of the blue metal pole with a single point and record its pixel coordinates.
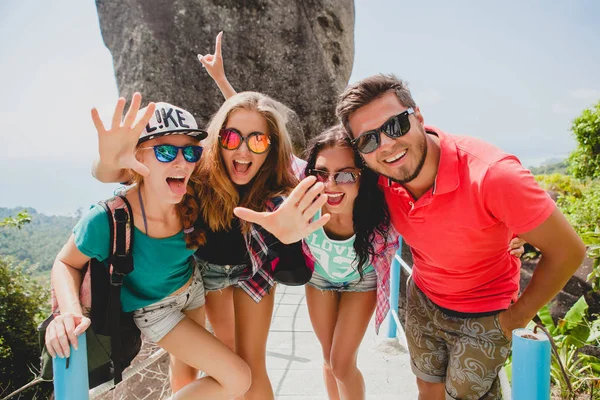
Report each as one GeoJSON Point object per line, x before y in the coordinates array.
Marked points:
{"type": "Point", "coordinates": [71, 374]}
{"type": "Point", "coordinates": [394, 291]}
{"type": "Point", "coordinates": [530, 365]}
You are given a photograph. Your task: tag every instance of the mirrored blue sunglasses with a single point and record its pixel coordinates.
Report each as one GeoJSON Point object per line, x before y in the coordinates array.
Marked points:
{"type": "Point", "coordinates": [167, 152]}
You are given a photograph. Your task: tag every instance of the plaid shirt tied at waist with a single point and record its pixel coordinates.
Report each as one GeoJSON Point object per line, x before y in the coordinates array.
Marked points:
{"type": "Point", "coordinates": [263, 257]}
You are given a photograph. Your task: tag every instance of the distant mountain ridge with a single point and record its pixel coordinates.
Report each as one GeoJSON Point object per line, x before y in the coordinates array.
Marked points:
{"type": "Point", "coordinates": [38, 242]}
{"type": "Point", "coordinates": [552, 166]}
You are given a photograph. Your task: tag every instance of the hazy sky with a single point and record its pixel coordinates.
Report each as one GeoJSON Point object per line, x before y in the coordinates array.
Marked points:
{"type": "Point", "coordinates": [514, 73]}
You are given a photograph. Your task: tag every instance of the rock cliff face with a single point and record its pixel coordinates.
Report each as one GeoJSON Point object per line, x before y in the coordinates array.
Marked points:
{"type": "Point", "coordinates": [151, 383]}
{"type": "Point", "coordinates": [299, 52]}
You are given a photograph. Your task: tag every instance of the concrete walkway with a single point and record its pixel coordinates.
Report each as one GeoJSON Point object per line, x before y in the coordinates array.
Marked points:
{"type": "Point", "coordinates": [295, 362]}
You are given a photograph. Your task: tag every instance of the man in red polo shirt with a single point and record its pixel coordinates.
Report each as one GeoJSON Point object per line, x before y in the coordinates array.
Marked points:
{"type": "Point", "coordinates": [457, 201]}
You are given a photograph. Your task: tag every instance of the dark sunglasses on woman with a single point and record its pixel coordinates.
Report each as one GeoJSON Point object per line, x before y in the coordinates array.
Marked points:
{"type": "Point", "coordinates": [231, 139]}
{"type": "Point", "coordinates": [167, 152]}
{"type": "Point", "coordinates": [394, 127]}
{"type": "Point", "coordinates": [340, 177]}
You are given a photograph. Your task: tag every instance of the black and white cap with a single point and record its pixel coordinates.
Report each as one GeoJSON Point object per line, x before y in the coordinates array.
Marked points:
{"type": "Point", "coordinates": [170, 120]}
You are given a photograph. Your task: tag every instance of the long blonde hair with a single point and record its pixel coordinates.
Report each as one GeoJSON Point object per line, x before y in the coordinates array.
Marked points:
{"type": "Point", "coordinates": [215, 192]}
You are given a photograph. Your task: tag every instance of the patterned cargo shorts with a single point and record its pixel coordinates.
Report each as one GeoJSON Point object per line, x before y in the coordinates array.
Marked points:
{"type": "Point", "coordinates": [464, 353]}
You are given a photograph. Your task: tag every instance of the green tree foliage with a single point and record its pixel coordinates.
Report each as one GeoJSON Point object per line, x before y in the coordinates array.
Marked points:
{"type": "Point", "coordinates": [21, 219]}
{"type": "Point", "coordinates": [585, 160]}
{"type": "Point", "coordinates": [563, 185]}
{"type": "Point", "coordinates": [584, 212]}
{"type": "Point", "coordinates": [579, 201]}
{"type": "Point", "coordinates": [37, 242]}
{"type": "Point", "coordinates": [22, 306]}
{"type": "Point", "coordinates": [592, 240]}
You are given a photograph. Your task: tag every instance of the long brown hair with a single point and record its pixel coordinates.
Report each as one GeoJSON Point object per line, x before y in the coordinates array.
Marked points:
{"type": "Point", "coordinates": [215, 192]}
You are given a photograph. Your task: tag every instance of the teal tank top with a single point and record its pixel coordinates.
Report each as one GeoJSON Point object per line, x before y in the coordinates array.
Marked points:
{"type": "Point", "coordinates": [335, 259]}
{"type": "Point", "coordinates": [161, 265]}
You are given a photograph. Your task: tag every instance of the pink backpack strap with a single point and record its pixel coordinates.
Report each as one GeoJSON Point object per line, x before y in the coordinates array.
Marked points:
{"type": "Point", "coordinates": [111, 206]}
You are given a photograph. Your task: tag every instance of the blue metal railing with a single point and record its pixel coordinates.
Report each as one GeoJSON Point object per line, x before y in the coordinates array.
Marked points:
{"type": "Point", "coordinates": [395, 328]}
{"type": "Point", "coordinates": [71, 378]}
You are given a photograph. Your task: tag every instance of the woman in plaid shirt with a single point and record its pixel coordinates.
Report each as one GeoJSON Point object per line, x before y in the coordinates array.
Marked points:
{"type": "Point", "coordinates": [246, 154]}
{"type": "Point", "coordinates": [351, 272]}
{"type": "Point", "coordinates": [351, 269]}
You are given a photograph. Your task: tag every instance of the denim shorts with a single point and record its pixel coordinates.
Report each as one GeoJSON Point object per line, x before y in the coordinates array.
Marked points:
{"type": "Point", "coordinates": [219, 277]}
{"type": "Point", "coordinates": [158, 319]}
{"type": "Point", "coordinates": [366, 284]}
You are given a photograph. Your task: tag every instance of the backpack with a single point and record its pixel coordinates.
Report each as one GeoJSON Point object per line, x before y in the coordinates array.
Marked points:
{"type": "Point", "coordinates": [113, 339]}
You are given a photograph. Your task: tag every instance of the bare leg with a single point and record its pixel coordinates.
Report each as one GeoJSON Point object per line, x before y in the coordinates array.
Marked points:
{"type": "Point", "coordinates": [431, 391]}
{"type": "Point", "coordinates": [252, 322]}
{"type": "Point", "coordinates": [182, 374]}
{"type": "Point", "coordinates": [323, 312]}
{"type": "Point", "coordinates": [220, 313]}
{"type": "Point", "coordinates": [229, 375]}
{"type": "Point", "coordinates": [355, 311]}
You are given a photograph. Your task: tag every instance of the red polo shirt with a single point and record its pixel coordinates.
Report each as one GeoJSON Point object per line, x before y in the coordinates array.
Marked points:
{"type": "Point", "coordinates": [460, 229]}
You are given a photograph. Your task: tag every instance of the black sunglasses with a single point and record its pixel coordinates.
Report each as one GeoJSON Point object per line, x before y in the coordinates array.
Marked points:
{"type": "Point", "coordinates": [340, 177]}
{"type": "Point", "coordinates": [394, 127]}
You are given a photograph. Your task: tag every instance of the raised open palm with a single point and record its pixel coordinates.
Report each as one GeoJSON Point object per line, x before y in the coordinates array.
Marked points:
{"type": "Point", "coordinates": [292, 221]}
{"type": "Point", "coordinates": [117, 144]}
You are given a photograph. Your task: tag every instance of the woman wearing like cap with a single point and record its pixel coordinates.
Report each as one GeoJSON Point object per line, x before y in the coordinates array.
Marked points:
{"type": "Point", "coordinates": [247, 150]}
{"type": "Point", "coordinates": [165, 290]}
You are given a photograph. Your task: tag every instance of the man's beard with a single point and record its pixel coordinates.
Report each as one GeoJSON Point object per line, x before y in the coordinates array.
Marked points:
{"type": "Point", "coordinates": [408, 175]}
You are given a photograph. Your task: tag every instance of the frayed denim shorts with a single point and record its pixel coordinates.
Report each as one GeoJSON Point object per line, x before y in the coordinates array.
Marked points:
{"type": "Point", "coordinates": [366, 284]}
{"type": "Point", "coordinates": [219, 277]}
{"type": "Point", "coordinates": [158, 319]}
